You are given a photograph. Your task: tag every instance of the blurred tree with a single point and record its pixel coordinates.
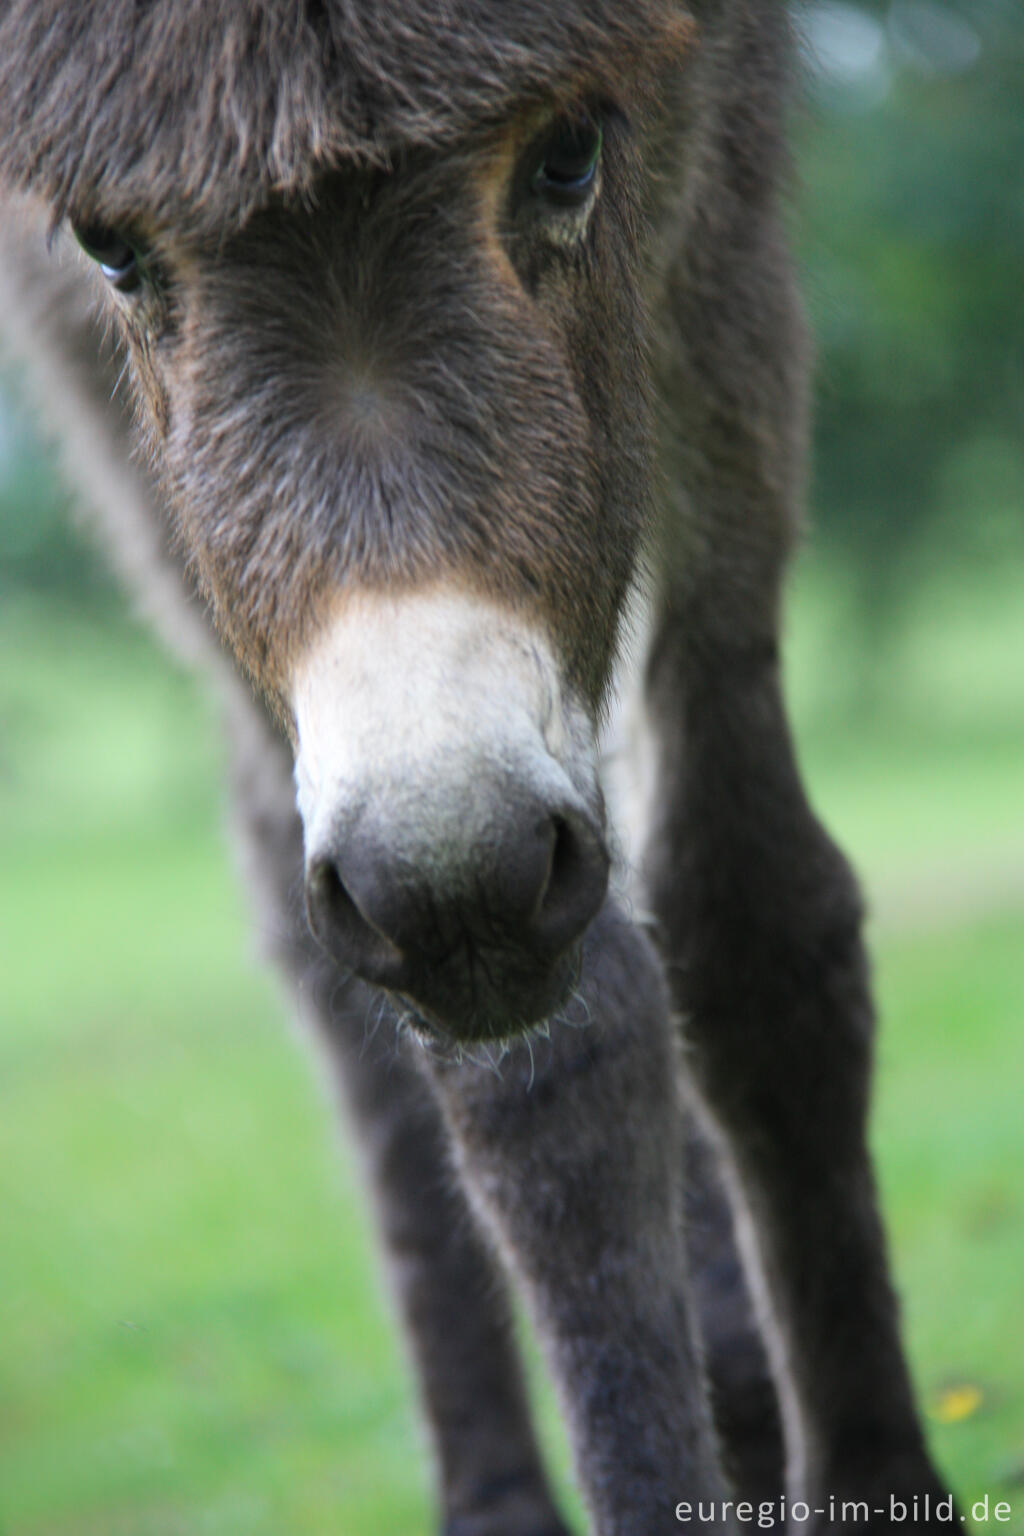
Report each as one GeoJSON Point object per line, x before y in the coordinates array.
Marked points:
{"type": "Point", "coordinates": [912, 159]}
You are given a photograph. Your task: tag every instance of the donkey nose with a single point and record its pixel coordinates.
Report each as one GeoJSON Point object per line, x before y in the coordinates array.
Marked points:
{"type": "Point", "coordinates": [526, 889]}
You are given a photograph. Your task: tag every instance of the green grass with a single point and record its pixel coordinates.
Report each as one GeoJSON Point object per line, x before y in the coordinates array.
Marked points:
{"type": "Point", "coordinates": [950, 1146]}
{"type": "Point", "coordinates": [195, 1336]}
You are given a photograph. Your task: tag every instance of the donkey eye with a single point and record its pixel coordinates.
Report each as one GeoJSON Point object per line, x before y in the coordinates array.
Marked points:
{"type": "Point", "coordinates": [569, 158]}
{"type": "Point", "coordinates": [113, 253]}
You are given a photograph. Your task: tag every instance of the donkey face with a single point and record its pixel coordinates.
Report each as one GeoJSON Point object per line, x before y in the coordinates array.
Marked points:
{"type": "Point", "coordinates": [401, 410]}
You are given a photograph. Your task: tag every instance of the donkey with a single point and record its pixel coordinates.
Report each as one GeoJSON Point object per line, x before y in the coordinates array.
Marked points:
{"type": "Point", "coordinates": [472, 382]}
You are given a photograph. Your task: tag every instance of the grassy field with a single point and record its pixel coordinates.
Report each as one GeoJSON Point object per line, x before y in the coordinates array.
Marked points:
{"type": "Point", "coordinates": [195, 1338]}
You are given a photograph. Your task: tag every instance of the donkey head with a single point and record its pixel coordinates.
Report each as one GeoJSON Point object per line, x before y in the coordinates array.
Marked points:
{"type": "Point", "coordinates": [384, 285]}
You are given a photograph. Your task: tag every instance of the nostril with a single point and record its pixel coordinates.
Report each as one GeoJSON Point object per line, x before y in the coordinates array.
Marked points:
{"type": "Point", "coordinates": [520, 895]}
{"type": "Point", "coordinates": [341, 927]}
{"type": "Point", "coordinates": [564, 858]}
{"type": "Point", "coordinates": [328, 904]}
{"type": "Point", "coordinates": [576, 884]}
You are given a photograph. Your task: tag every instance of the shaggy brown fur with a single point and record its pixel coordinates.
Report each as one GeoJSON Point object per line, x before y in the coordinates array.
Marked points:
{"type": "Point", "coordinates": [191, 105]}
{"type": "Point", "coordinates": [375, 350]}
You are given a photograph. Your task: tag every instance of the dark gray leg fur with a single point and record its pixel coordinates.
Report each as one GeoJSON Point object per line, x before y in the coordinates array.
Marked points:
{"type": "Point", "coordinates": [743, 1395]}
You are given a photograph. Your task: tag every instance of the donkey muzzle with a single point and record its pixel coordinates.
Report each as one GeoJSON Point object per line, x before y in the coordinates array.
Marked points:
{"type": "Point", "coordinates": [454, 829]}
{"type": "Point", "coordinates": [484, 946]}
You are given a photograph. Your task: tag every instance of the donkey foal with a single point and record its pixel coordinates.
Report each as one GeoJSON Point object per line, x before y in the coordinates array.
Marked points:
{"type": "Point", "coordinates": [456, 334]}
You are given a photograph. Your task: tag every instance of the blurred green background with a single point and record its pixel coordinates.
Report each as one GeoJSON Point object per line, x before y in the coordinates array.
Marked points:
{"type": "Point", "coordinates": [194, 1336]}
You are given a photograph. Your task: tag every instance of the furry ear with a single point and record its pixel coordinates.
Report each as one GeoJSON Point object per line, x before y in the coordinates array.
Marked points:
{"type": "Point", "coordinates": [186, 106]}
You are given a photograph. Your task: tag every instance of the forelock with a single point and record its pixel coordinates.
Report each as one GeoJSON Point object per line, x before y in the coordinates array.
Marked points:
{"type": "Point", "coordinates": [187, 106]}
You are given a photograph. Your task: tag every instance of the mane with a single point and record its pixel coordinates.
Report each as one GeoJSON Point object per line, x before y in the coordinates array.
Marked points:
{"type": "Point", "coordinates": [188, 105]}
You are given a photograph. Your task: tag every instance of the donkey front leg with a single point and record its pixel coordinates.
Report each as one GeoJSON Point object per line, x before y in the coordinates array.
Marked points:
{"type": "Point", "coordinates": [572, 1150]}
{"type": "Point", "coordinates": [450, 1293]}
{"type": "Point", "coordinates": [761, 919]}
{"type": "Point", "coordinates": [759, 916]}
{"type": "Point", "coordinates": [743, 1395]}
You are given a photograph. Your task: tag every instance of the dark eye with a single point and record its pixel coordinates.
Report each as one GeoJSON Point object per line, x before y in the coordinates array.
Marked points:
{"type": "Point", "coordinates": [568, 161]}
{"type": "Point", "coordinates": [115, 256]}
